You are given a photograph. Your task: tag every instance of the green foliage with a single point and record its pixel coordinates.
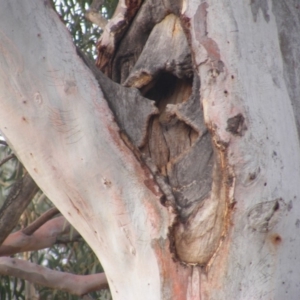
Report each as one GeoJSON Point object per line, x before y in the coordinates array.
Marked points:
{"type": "Point", "coordinates": [11, 288]}
{"type": "Point", "coordinates": [84, 33]}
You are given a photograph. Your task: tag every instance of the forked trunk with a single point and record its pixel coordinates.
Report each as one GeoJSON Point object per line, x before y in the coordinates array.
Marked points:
{"type": "Point", "coordinates": [181, 166]}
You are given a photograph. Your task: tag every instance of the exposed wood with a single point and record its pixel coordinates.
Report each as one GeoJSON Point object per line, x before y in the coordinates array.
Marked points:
{"type": "Point", "coordinates": [114, 30]}
{"type": "Point", "coordinates": [82, 164]}
{"type": "Point", "coordinates": [177, 136]}
{"type": "Point", "coordinates": [131, 110]}
{"type": "Point", "coordinates": [166, 49]}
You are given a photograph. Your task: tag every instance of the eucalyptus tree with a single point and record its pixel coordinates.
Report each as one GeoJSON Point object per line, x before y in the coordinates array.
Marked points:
{"type": "Point", "coordinates": [177, 156]}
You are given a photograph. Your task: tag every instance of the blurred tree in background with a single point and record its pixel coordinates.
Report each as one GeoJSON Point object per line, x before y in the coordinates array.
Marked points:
{"type": "Point", "coordinates": [74, 257]}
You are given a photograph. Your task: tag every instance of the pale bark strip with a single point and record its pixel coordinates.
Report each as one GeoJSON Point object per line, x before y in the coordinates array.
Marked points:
{"type": "Point", "coordinates": [53, 113]}
{"type": "Point", "coordinates": [54, 231]}
{"type": "Point", "coordinates": [240, 62]}
{"type": "Point", "coordinates": [74, 284]}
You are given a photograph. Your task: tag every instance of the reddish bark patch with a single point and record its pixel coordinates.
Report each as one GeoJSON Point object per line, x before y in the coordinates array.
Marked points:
{"type": "Point", "coordinates": [174, 276]}
{"type": "Point", "coordinates": [276, 239]}
{"type": "Point", "coordinates": [185, 21]}
{"type": "Point", "coordinates": [149, 183]}
{"type": "Point", "coordinates": [200, 26]}
{"type": "Point", "coordinates": [211, 47]}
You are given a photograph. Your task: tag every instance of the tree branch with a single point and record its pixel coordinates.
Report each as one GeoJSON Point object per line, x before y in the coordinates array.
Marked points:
{"type": "Point", "coordinates": [7, 158]}
{"type": "Point", "coordinates": [96, 18]}
{"type": "Point", "coordinates": [19, 197]}
{"type": "Point", "coordinates": [29, 230]}
{"type": "Point", "coordinates": [114, 31]}
{"type": "Point", "coordinates": [74, 284]}
{"type": "Point", "coordinates": [56, 230]}
{"type": "Point", "coordinates": [66, 136]}
{"type": "Point", "coordinates": [93, 15]}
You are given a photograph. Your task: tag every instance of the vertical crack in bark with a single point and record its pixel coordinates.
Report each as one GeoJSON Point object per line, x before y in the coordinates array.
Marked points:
{"type": "Point", "coordinates": [154, 56]}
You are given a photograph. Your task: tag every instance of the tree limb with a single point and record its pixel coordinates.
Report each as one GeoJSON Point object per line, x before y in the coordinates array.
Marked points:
{"type": "Point", "coordinates": [74, 284]}
{"type": "Point", "coordinates": [29, 230]}
{"type": "Point", "coordinates": [56, 230]}
{"type": "Point", "coordinates": [93, 15]}
{"type": "Point", "coordinates": [96, 18]}
{"type": "Point", "coordinates": [81, 163]}
{"type": "Point", "coordinates": [19, 197]}
{"type": "Point", "coordinates": [117, 26]}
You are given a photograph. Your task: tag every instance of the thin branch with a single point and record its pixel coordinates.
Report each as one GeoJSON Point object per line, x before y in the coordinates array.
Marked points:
{"type": "Point", "coordinates": [96, 18]}
{"type": "Point", "coordinates": [74, 284]}
{"type": "Point", "coordinates": [113, 32]}
{"type": "Point", "coordinates": [7, 158]}
{"type": "Point", "coordinates": [3, 143]}
{"type": "Point", "coordinates": [30, 229]}
{"type": "Point", "coordinates": [96, 4]}
{"type": "Point", "coordinates": [54, 231]}
{"type": "Point", "coordinates": [87, 297]}
{"type": "Point", "coordinates": [19, 197]}
{"type": "Point", "coordinates": [68, 238]}
{"type": "Point", "coordinates": [93, 15]}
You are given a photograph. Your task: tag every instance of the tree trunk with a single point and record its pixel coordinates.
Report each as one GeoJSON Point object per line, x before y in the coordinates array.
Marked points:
{"type": "Point", "coordinates": [189, 188]}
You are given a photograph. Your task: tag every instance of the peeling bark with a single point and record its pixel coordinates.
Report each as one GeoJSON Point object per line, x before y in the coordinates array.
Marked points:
{"type": "Point", "coordinates": [193, 193]}
{"type": "Point", "coordinates": [162, 69]}
{"type": "Point", "coordinates": [115, 29]}
{"type": "Point", "coordinates": [204, 189]}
